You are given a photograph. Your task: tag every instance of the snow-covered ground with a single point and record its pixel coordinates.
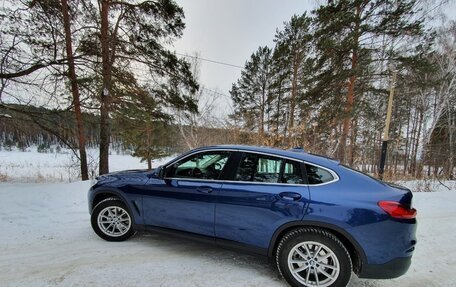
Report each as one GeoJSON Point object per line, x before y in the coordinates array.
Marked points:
{"type": "Point", "coordinates": [46, 240]}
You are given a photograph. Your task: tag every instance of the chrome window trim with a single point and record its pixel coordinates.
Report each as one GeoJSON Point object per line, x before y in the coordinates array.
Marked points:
{"type": "Point", "coordinates": [233, 181]}
{"type": "Point", "coordinates": [333, 173]}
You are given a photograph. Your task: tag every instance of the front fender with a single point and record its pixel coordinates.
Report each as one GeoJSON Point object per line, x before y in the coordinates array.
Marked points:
{"type": "Point", "coordinates": [133, 202]}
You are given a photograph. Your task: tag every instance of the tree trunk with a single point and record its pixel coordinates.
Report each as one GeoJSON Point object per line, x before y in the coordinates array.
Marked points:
{"type": "Point", "coordinates": [149, 143]}
{"type": "Point", "coordinates": [75, 91]}
{"type": "Point", "coordinates": [262, 112]}
{"type": "Point", "coordinates": [294, 91]}
{"type": "Point", "coordinates": [105, 97]}
{"type": "Point", "coordinates": [278, 120]}
{"type": "Point", "coordinates": [407, 140]}
{"type": "Point", "coordinates": [450, 139]}
{"type": "Point", "coordinates": [416, 169]}
{"type": "Point", "coordinates": [412, 142]}
{"type": "Point", "coordinates": [351, 152]}
{"type": "Point", "coordinates": [351, 90]}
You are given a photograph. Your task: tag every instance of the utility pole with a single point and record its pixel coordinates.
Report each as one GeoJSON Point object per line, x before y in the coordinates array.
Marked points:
{"type": "Point", "coordinates": [389, 110]}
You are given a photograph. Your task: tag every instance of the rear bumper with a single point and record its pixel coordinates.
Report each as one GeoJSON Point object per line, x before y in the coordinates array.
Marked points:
{"type": "Point", "coordinates": [391, 269]}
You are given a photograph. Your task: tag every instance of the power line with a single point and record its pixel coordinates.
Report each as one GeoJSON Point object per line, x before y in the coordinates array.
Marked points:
{"type": "Point", "coordinates": [432, 9]}
{"type": "Point", "coordinates": [211, 61]}
{"type": "Point", "coordinates": [218, 93]}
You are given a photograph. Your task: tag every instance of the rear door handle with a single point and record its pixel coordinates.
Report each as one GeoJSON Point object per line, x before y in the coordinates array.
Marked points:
{"type": "Point", "coordinates": [204, 189]}
{"type": "Point", "coordinates": [290, 195]}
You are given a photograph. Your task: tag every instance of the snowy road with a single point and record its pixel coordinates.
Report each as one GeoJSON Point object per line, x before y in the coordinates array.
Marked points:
{"type": "Point", "coordinates": [46, 240]}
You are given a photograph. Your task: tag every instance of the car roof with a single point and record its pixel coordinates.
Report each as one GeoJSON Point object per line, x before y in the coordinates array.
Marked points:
{"type": "Point", "coordinates": [296, 153]}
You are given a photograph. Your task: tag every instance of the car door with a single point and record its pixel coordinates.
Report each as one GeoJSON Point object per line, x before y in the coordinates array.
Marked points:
{"type": "Point", "coordinates": [264, 193]}
{"type": "Point", "coordinates": [185, 198]}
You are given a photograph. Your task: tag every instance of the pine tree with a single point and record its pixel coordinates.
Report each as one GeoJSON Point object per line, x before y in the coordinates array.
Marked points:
{"type": "Point", "coordinates": [37, 37]}
{"type": "Point", "coordinates": [110, 39]}
{"type": "Point", "coordinates": [293, 49]}
{"type": "Point", "coordinates": [143, 127]}
{"type": "Point", "coordinates": [279, 88]}
{"type": "Point", "coordinates": [350, 36]}
{"type": "Point", "coordinates": [75, 90]}
{"type": "Point", "coordinates": [251, 95]}
{"type": "Point", "coordinates": [155, 24]}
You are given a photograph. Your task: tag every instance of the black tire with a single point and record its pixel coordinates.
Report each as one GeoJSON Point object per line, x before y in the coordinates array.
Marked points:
{"type": "Point", "coordinates": [294, 238]}
{"type": "Point", "coordinates": [123, 234]}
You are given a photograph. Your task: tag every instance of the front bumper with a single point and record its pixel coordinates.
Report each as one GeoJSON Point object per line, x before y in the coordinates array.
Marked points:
{"type": "Point", "coordinates": [391, 269]}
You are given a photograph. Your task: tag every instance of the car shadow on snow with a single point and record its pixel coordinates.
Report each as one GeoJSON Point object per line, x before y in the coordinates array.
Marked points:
{"type": "Point", "coordinates": [211, 255]}
{"type": "Point", "coordinates": [229, 260]}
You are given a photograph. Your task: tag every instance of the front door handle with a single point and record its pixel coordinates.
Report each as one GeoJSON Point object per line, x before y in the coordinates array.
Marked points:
{"type": "Point", "coordinates": [204, 189]}
{"type": "Point", "coordinates": [290, 195]}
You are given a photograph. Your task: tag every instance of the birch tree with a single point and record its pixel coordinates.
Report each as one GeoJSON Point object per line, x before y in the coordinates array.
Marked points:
{"type": "Point", "coordinates": [439, 103]}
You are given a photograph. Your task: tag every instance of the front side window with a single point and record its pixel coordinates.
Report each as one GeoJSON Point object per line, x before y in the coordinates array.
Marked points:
{"type": "Point", "coordinates": [207, 165]}
{"type": "Point", "coordinates": [318, 175]}
{"type": "Point", "coordinates": [259, 168]}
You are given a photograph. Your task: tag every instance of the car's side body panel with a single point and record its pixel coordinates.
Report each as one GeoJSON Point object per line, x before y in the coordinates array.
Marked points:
{"type": "Point", "coordinates": [180, 204]}
{"type": "Point", "coordinates": [250, 213]}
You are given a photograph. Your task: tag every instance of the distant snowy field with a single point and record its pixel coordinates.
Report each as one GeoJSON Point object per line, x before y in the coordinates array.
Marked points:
{"type": "Point", "coordinates": [32, 166]}
{"type": "Point", "coordinates": [46, 238]}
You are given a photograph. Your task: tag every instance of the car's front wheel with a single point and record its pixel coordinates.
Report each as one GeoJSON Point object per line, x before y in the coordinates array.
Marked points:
{"type": "Point", "coordinates": [313, 257]}
{"type": "Point", "coordinates": [112, 221]}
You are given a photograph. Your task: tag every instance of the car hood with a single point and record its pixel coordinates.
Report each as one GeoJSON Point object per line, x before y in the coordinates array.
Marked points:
{"type": "Point", "coordinates": [127, 174]}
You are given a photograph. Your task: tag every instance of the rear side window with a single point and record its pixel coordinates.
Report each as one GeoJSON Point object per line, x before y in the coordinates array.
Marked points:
{"type": "Point", "coordinates": [318, 175]}
{"type": "Point", "coordinates": [292, 173]}
{"type": "Point", "coordinates": [259, 168]}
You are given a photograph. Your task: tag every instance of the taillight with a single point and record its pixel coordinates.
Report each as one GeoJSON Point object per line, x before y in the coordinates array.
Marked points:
{"type": "Point", "coordinates": [397, 210]}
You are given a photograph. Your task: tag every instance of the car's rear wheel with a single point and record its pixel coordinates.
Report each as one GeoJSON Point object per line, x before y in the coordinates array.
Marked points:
{"type": "Point", "coordinates": [112, 221]}
{"type": "Point", "coordinates": [313, 257]}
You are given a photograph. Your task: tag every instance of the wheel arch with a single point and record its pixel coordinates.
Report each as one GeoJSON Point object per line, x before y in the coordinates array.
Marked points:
{"type": "Point", "coordinates": [134, 205]}
{"type": "Point", "coordinates": [103, 194]}
{"type": "Point", "coordinates": [357, 254]}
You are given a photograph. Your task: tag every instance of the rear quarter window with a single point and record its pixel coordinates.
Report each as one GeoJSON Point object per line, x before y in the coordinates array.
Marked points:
{"type": "Point", "coordinates": [318, 175]}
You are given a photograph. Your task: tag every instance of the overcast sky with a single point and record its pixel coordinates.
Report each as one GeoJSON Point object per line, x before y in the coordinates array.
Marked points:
{"type": "Point", "coordinates": [231, 30]}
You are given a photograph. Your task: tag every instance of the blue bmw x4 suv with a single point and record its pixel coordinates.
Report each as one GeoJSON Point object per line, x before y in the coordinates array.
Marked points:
{"type": "Point", "coordinates": [316, 219]}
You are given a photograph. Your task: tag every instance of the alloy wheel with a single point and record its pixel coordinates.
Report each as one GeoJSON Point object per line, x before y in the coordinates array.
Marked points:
{"type": "Point", "coordinates": [313, 264]}
{"type": "Point", "coordinates": [114, 221]}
